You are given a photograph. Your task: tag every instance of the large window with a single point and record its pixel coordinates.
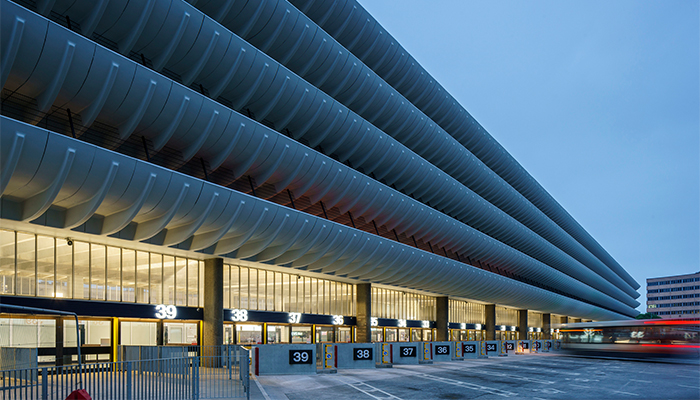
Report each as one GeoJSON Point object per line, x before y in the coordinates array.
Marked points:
{"type": "Point", "coordinates": [36, 265]}
{"type": "Point", "coordinates": [506, 316]}
{"type": "Point", "coordinates": [466, 312]}
{"type": "Point", "coordinates": [387, 303]}
{"type": "Point", "coordinates": [253, 289]}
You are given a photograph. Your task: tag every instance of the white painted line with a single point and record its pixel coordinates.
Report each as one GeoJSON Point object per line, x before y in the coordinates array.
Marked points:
{"type": "Point", "coordinates": [580, 386]}
{"type": "Point", "coordinates": [367, 388]}
{"type": "Point", "coordinates": [628, 393]}
{"type": "Point", "coordinates": [487, 389]}
{"type": "Point", "coordinates": [639, 380]}
{"type": "Point", "coordinates": [510, 376]}
{"type": "Point", "coordinates": [692, 387]}
{"type": "Point", "coordinates": [264, 393]}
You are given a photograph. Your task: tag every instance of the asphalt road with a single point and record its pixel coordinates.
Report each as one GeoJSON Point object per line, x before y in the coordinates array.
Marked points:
{"type": "Point", "coordinates": [540, 376]}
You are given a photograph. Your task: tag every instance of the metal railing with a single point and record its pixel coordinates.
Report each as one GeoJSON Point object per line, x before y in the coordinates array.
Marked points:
{"type": "Point", "coordinates": [213, 372]}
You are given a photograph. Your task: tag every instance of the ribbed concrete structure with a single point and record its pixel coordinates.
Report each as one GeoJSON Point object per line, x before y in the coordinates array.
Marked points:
{"type": "Point", "coordinates": [297, 134]}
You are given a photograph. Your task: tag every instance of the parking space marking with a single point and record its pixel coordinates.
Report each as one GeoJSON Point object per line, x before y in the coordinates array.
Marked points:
{"type": "Point", "coordinates": [628, 393]}
{"type": "Point", "coordinates": [474, 386]}
{"type": "Point", "coordinates": [367, 389]}
{"type": "Point", "coordinates": [500, 374]}
{"type": "Point", "coordinates": [692, 387]}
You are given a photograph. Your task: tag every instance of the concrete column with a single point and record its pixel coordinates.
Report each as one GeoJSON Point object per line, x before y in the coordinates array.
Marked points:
{"type": "Point", "coordinates": [547, 326]}
{"type": "Point", "coordinates": [490, 322]}
{"type": "Point", "coordinates": [522, 324]}
{"type": "Point", "coordinates": [60, 360]}
{"type": "Point", "coordinates": [442, 315]}
{"type": "Point", "coordinates": [213, 302]}
{"type": "Point", "coordinates": [363, 307]}
{"type": "Point", "coordinates": [160, 333]}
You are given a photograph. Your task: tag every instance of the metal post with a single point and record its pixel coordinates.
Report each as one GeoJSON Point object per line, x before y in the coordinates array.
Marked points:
{"type": "Point", "coordinates": [195, 379]}
{"type": "Point", "coordinates": [128, 381]}
{"type": "Point", "coordinates": [44, 384]}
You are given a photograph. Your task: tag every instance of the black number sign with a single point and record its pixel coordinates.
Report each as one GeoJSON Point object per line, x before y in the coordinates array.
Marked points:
{"type": "Point", "coordinates": [362, 354]}
{"type": "Point", "coordinates": [490, 346]}
{"type": "Point", "coordinates": [442, 349]}
{"type": "Point", "coordinates": [525, 346]}
{"type": "Point", "coordinates": [510, 346]}
{"type": "Point", "coordinates": [538, 345]}
{"type": "Point", "coordinates": [469, 348]}
{"type": "Point", "coordinates": [407, 351]}
{"type": "Point", "coordinates": [300, 356]}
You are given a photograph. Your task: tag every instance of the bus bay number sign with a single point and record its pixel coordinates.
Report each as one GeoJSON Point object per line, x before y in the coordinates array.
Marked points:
{"type": "Point", "coordinates": [469, 348]}
{"type": "Point", "coordinates": [361, 353]}
{"type": "Point", "coordinates": [442, 349]}
{"type": "Point", "coordinates": [407, 351]}
{"type": "Point", "coordinates": [300, 356]}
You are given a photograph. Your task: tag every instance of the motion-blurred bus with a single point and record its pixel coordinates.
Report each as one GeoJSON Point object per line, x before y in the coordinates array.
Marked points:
{"type": "Point", "coordinates": [656, 339]}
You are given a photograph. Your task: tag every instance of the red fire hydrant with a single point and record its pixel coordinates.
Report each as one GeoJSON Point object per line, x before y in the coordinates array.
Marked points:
{"type": "Point", "coordinates": [79, 394]}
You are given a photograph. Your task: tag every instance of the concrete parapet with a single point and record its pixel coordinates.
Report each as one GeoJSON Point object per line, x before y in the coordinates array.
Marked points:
{"type": "Point", "coordinates": [284, 359]}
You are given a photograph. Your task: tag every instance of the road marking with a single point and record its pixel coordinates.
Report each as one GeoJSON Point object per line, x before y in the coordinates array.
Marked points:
{"type": "Point", "coordinates": [264, 393]}
{"type": "Point", "coordinates": [520, 378]}
{"type": "Point", "coordinates": [468, 385]}
{"type": "Point", "coordinates": [367, 388]}
{"type": "Point", "coordinates": [631, 394]}
{"type": "Point", "coordinates": [639, 380]}
{"type": "Point", "coordinates": [580, 386]}
{"type": "Point", "coordinates": [692, 387]}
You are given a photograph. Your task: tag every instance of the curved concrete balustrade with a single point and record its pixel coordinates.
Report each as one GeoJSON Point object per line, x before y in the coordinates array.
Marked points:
{"type": "Point", "coordinates": [349, 23]}
{"type": "Point", "coordinates": [66, 183]}
{"type": "Point", "coordinates": [259, 151]}
{"type": "Point", "coordinates": [155, 88]}
{"type": "Point", "coordinates": [326, 64]}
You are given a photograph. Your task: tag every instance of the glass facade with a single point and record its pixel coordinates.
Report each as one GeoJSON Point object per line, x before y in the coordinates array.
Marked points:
{"type": "Point", "coordinates": [256, 289]}
{"type": "Point", "coordinates": [387, 303]}
{"type": "Point", "coordinates": [506, 316]}
{"type": "Point", "coordinates": [37, 265]}
{"type": "Point", "coordinates": [534, 319]}
{"type": "Point", "coordinates": [466, 312]}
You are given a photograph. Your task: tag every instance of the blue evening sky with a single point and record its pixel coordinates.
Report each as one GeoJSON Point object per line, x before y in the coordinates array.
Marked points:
{"type": "Point", "coordinates": [598, 100]}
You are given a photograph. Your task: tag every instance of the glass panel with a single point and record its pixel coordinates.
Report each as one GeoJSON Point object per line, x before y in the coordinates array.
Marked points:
{"type": "Point", "coordinates": [344, 335]}
{"type": "Point", "coordinates": [26, 272]}
{"type": "Point", "coordinates": [277, 334]}
{"type": "Point", "coordinates": [97, 271]}
{"type": "Point", "coordinates": [181, 281]}
{"type": "Point", "coordinates": [416, 335]}
{"type": "Point", "coordinates": [391, 334]}
{"type": "Point", "coordinates": [138, 333]}
{"type": "Point", "coordinates": [235, 288]}
{"type": "Point", "coordinates": [253, 289]}
{"type": "Point", "coordinates": [301, 334]}
{"type": "Point", "coordinates": [168, 280]}
{"type": "Point", "coordinates": [81, 270]}
{"type": "Point", "coordinates": [7, 262]}
{"type": "Point", "coordinates": [192, 283]}
{"type": "Point", "coordinates": [324, 334]}
{"type": "Point", "coordinates": [245, 288]}
{"type": "Point", "coordinates": [44, 266]}
{"type": "Point", "coordinates": [314, 306]}
{"type": "Point", "coordinates": [279, 293]}
{"type": "Point", "coordinates": [156, 279]}
{"type": "Point", "coordinates": [377, 334]}
{"type": "Point", "coordinates": [114, 265]}
{"type": "Point", "coordinates": [180, 333]}
{"type": "Point", "coordinates": [227, 286]}
{"type": "Point", "coordinates": [142, 277]}
{"type": "Point", "coordinates": [270, 289]}
{"type": "Point", "coordinates": [64, 269]}
{"type": "Point", "coordinates": [248, 334]}
{"type": "Point", "coordinates": [128, 275]}
{"type": "Point", "coordinates": [403, 335]}
{"type": "Point", "coordinates": [201, 283]}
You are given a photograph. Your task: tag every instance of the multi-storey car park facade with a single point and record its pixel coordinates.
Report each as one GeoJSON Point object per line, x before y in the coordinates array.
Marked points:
{"type": "Point", "coordinates": [265, 171]}
{"type": "Point", "coordinates": [676, 296]}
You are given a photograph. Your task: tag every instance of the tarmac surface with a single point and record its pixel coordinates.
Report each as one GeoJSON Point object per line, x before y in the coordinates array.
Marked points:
{"type": "Point", "coordinates": [534, 376]}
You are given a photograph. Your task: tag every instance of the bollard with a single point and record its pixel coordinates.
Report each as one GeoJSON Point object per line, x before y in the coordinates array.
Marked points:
{"type": "Point", "coordinates": [504, 349]}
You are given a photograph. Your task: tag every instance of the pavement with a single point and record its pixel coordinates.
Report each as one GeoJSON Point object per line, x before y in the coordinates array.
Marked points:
{"type": "Point", "coordinates": [533, 376]}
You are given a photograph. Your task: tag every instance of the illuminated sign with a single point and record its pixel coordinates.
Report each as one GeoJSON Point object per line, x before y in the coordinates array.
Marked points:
{"type": "Point", "coordinates": [239, 315]}
{"type": "Point", "coordinates": [374, 321]}
{"type": "Point", "coordinates": [402, 323]}
{"type": "Point", "coordinates": [425, 324]}
{"type": "Point", "coordinates": [337, 320]}
{"type": "Point", "coordinates": [462, 326]}
{"type": "Point", "coordinates": [166, 312]}
{"type": "Point", "coordinates": [294, 317]}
